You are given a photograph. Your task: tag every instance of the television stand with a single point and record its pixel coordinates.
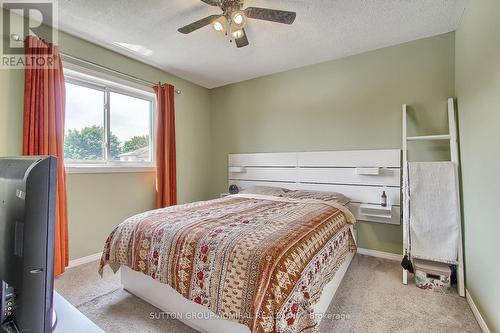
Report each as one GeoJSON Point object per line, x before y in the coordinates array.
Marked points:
{"type": "Point", "coordinates": [69, 319]}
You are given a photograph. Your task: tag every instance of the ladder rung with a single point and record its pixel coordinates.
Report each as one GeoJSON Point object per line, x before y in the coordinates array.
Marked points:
{"type": "Point", "coordinates": [429, 137]}
{"type": "Point", "coordinates": [451, 262]}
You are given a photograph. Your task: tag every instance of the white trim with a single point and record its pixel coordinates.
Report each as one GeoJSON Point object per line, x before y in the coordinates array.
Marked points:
{"type": "Point", "coordinates": [92, 168]}
{"type": "Point", "coordinates": [84, 260]}
{"type": "Point", "coordinates": [380, 254]}
{"type": "Point", "coordinates": [85, 73]}
{"type": "Point", "coordinates": [109, 84]}
{"type": "Point", "coordinates": [477, 314]}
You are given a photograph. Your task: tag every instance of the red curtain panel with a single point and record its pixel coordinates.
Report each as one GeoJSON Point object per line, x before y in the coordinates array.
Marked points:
{"type": "Point", "coordinates": [43, 133]}
{"type": "Point", "coordinates": [166, 183]}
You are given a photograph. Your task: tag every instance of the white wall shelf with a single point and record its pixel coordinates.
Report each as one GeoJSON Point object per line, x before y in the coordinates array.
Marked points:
{"type": "Point", "coordinates": [391, 214]}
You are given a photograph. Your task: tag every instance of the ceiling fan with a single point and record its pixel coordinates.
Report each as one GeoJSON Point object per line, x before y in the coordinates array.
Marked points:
{"type": "Point", "coordinates": [233, 19]}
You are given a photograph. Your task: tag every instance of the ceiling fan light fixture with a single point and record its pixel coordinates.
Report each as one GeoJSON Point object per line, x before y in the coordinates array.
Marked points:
{"type": "Point", "coordinates": [233, 20]}
{"type": "Point", "coordinates": [238, 19]}
{"type": "Point", "coordinates": [220, 24]}
{"type": "Point", "coordinates": [237, 33]}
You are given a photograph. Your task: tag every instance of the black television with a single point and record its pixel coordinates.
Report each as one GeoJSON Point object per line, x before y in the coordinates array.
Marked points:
{"type": "Point", "coordinates": [27, 214]}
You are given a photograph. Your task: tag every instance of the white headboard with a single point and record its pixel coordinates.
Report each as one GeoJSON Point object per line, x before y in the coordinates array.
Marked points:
{"type": "Point", "coordinates": [361, 175]}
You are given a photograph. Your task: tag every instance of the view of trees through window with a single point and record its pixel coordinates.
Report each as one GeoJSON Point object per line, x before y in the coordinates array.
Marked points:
{"type": "Point", "coordinates": [86, 144]}
{"type": "Point", "coordinates": [129, 126]}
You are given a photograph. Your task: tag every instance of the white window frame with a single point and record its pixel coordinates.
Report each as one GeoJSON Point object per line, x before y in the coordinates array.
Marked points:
{"type": "Point", "coordinates": [86, 77]}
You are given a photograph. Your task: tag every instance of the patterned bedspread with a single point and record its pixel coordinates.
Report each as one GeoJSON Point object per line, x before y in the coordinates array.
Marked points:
{"type": "Point", "coordinates": [260, 261]}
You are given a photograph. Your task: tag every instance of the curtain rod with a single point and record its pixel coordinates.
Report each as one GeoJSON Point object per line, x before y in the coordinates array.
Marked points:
{"type": "Point", "coordinates": [149, 83]}
{"type": "Point", "coordinates": [18, 38]}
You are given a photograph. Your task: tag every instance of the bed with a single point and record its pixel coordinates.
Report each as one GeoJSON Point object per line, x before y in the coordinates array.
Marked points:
{"type": "Point", "coordinates": [252, 262]}
{"type": "Point", "coordinates": [257, 260]}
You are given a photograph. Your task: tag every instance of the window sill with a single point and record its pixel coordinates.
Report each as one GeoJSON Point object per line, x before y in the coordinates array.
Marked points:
{"type": "Point", "coordinates": [76, 169]}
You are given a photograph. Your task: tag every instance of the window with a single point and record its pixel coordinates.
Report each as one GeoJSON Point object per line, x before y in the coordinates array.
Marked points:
{"type": "Point", "coordinates": [108, 125]}
{"type": "Point", "coordinates": [84, 128]}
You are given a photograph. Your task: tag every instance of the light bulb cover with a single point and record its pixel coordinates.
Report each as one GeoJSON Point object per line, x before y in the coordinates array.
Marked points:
{"type": "Point", "coordinates": [237, 33]}
{"type": "Point", "coordinates": [238, 19]}
{"type": "Point", "coordinates": [220, 25]}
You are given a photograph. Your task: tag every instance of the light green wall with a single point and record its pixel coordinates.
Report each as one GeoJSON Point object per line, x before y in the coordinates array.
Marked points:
{"type": "Point", "coordinates": [351, 103]}
{"type": "Point", "coordinates": [478, 92]}
{"type": "Point", "coordinates": [98, 202]}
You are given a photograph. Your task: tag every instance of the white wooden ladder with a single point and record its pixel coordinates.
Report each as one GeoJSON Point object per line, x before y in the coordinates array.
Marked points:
{"type": "Point", "coordinates": [452, 138]}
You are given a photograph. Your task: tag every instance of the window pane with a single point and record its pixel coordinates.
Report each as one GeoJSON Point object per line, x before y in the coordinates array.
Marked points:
{"type": "Point", "coordinates": [130, 125]}
{"type": "Point", "coordinates": [84, 127]}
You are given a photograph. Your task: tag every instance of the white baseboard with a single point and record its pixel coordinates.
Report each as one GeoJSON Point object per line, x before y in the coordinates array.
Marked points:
{"type": "Point", "coordinates": [477, 314]}
{"type": "Point", "coordinates": [380, 254]}
{"type": "Point", "coordinates": [84, 260]}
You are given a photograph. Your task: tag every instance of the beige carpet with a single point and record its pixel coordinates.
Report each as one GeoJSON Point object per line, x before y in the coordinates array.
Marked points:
{"type": "Point", "coordinates": [371, 298]}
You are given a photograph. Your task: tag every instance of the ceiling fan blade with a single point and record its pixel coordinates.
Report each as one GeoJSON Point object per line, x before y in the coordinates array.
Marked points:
{"type": "Point", "coordinates": [198, 24]}
{"type": "Point", "coordinates": [212, 2]}
{"type": "Point", "coordinates": [274, 15]}
{"type": "Point", "coordinates": [242, 41]}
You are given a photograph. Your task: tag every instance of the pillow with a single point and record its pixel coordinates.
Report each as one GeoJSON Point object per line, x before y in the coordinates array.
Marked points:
{"type": "Point", "coordinates": [318, 195]}
{"type": "Point", "coordinates": [265, 190]}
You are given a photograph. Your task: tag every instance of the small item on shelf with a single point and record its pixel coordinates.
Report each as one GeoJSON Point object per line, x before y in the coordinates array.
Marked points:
{"type": "Point", "coordinates": [233, 189]}
{"type": "Point", "coordinates": [384, 199]}
{"type": "Point", "coordinates": [433, 276]}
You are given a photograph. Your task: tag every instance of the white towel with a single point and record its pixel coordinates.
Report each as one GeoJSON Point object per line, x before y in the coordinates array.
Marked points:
{"type": "Point", "coordinates": [434, 209]}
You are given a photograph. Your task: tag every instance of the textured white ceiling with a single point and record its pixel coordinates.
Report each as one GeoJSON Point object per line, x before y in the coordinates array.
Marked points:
{"type": "Point", "coordinates": [324, 30]}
